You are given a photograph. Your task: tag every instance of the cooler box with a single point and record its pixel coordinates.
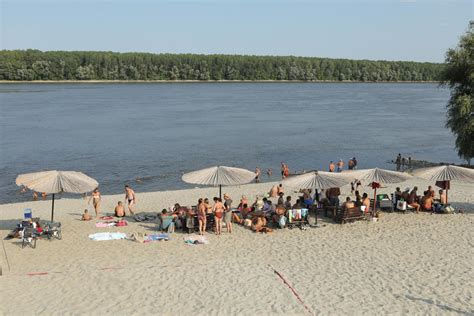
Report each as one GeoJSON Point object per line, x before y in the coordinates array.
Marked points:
{"type": "Point", "coordinates": [28, 213]}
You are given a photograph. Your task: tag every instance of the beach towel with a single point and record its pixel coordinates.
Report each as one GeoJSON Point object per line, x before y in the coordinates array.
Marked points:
{"type": "Point", "coordinates": [145, 218]}
{"type": "Point", "coordinates": [105, 224]}
{"type": "Point", "coordinates": [107, 236]}
{"type": "Point", "coordinates": [106, 218]}
{"type": "Point", "coordinates": [157, 237]}
{"type": "Point", "coordinates": [195, 240]}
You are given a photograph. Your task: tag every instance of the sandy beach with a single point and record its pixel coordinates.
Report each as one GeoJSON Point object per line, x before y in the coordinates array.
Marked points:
{"type": "Point", "coordinates": [403, 264]}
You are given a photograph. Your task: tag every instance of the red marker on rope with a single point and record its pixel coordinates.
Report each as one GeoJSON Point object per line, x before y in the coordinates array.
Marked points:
{"type": "Point", "coordinates": [292, 289]}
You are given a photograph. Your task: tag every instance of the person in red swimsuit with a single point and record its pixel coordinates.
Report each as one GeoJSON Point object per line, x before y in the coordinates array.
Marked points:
{"type": "Point", "coordinates": [218, 211]}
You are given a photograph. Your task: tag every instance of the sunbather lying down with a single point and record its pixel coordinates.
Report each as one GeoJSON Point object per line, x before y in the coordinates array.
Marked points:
{"type": "Point", "coordinates": [259, 223]}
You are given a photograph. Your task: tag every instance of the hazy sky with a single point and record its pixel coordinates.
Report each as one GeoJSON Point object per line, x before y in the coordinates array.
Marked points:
{"type": "Point", "coordinates": [419, 30]}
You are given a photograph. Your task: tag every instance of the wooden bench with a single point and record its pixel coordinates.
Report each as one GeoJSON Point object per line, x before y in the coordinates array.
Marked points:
{"type": "Point", "coordinates": [349, 214]}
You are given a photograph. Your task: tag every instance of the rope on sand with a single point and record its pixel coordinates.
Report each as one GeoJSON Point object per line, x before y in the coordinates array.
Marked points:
{"type": "Point", "coordinates": [6, 258]}
{"type": "Point", "coordinates": [292, 289]}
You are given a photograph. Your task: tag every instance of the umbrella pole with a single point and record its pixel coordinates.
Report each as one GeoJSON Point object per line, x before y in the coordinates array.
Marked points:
{"type": "Point", "coordinates": [220, 191]}
{"type": "Point", "coordinates": [375, 202]}
{"type": "Point", "coordinates": [52, 210]}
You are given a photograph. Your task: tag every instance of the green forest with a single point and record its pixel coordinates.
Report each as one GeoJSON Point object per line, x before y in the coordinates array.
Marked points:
{"type": "Point", "coordinates": [28, 65]}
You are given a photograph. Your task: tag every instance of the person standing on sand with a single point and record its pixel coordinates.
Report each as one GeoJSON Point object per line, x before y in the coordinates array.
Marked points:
{"type": "Point", "coordinates": [228, 212]}
{"type": "Point", "coordinates": [202, 216]}
{"type": "Point", "coordinates": [283, 167]}
{"type": "Point", "coordinates": [257, 174]}
{"type": "Point", "coordinates": [332, 166]}
{"type": "Point", "coordinates": [218, 211]}
{"type": "Point", "coordinates": [95, 197]}
{"type": "Point", "coordinates": [131, 198]}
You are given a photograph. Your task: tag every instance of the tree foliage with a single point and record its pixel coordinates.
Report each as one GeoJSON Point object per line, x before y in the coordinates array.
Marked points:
{"type": "Point", "coordinates": [61, 65]}
{"type": "Point", "coordinates": [459, 76]}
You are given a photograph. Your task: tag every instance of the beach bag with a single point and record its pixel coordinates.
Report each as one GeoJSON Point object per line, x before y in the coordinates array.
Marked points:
{"type": "Point", "coordinates": [282, 221]}
{"type": "Point", "coordinates": [402, 205]}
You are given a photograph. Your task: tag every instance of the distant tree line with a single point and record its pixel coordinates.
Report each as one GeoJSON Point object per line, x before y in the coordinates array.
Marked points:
{"type": "Point", "coordinates": [61, 65]}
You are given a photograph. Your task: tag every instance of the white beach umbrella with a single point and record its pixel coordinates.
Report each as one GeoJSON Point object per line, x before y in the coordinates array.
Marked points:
{"type": "Point", "coordinates": [317, 180]}
{"type": "Point", "coordinates": [219, 176]}
{"type": "Point", "coordinates": [54, 181]}
{"type": "Point", "coordinates": [445, 173]}
{"type": "Point", "coordinates": [377, 176]}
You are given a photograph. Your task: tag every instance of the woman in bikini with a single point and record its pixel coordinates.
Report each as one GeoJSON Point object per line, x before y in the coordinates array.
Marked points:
{"type": "Point", "coordinates": [218, 211]}
{"type": "Point", "coordinates": [202, 213]}
{"type": "Point", "coordinates": [131, 198]}
{"type": "Point", "coordinates": [95, 197]}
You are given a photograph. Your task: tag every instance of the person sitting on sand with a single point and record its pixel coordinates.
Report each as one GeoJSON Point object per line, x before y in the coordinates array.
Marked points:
{"type": "Point", "coordinates": [258, 204]}
{"type": "Point", "coordinates": [86, 216]}
{"type": "Point", "coordinates": [288, 202]}
{"type": "Point", "coordinates": [413, 199]}
{"type": "Point", "coordinates": [427, 202]}
{"type": "Point", "coordinates": [242, 202]}
{"type": "Point", "coordinates": [397, 195]}
{"type": "Point", "coordinates": [258, 222]}
{"type": "Point", "coordinates": [119, 210]}
{"type": "Point", "coordinates": [35, 196]}
{"type": "Point", "coordinates": [432, 192]}
{"type": "Point", "coordinates": [280, 189]}
{"type": "Point", "coordinates": [348, 204]}
{"type": "Point", "coordinates": [218, 211]}
{"type": "Point", "coordinates": [366, 203]}
{"type": "Point", "coordinates": [281, 200]}
{"type": "Point", "coordinates": [442, 197]}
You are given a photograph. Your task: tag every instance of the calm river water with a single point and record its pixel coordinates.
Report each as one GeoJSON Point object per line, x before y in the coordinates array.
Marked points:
{"type": "Point", "coordinates": [117, 133]}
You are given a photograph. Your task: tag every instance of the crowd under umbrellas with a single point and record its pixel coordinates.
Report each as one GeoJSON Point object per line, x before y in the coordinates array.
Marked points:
{"type": "Point", "coordinates": [54, 182]}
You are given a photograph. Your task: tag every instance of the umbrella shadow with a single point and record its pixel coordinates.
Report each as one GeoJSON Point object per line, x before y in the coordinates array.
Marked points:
{"type": "Point", "coordinates": [465, 207]}
{"type": "Point", "coordinates": [9, 224]}
{"type": "Point", "coordinates": [442, 306]}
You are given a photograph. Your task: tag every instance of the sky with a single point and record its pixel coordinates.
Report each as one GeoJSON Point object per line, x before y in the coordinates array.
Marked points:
{"type": "Point", "coordinates": [418, 30]}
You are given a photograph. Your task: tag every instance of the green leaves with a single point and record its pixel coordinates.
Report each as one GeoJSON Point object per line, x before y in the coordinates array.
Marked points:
{"type": "Point", "coordinates": [459, 75]}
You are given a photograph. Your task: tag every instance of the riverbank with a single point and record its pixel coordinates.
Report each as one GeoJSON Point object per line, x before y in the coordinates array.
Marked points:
{"type": "Point", "coordinates": [203, 81]}
{"type": "Point", "coordinates": [405, 263]}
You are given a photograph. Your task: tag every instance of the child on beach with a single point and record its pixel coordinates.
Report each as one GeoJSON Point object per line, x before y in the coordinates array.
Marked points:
{"type": "Point", "coordinates": [86, 216]}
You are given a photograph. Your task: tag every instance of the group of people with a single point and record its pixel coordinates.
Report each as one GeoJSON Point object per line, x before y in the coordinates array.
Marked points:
{"type": "Point", "coordinates": [339, 166]}
{"type": "Point", "coordinates": [426, 202]}
{"type": "Point", "coordinates": [119, 211]}
{"type": "Point", "coordinates": [285, 172]}
{"type": "Point", "coordinates": [402, 162]}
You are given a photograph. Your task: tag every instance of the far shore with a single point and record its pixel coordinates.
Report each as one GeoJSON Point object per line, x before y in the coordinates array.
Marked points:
{"type": "Point", "coordinates": [200, 81]}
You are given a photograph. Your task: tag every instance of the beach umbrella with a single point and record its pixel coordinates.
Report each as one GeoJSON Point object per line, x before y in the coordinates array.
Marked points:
{"type": "Point", "coordinates": [219, 176]}
{"type": "Point", "coordinates": [53, 182]}
{"type": "Point", "coordinates": [445, 174]}
{"type": "Point", "coordinates": [376, 177]}
{"type": "Point", "coordinates": [317, 180]}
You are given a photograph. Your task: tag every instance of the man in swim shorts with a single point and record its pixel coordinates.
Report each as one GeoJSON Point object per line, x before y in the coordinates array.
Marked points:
{"type": "Point", "coordinates": [131, 198]}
